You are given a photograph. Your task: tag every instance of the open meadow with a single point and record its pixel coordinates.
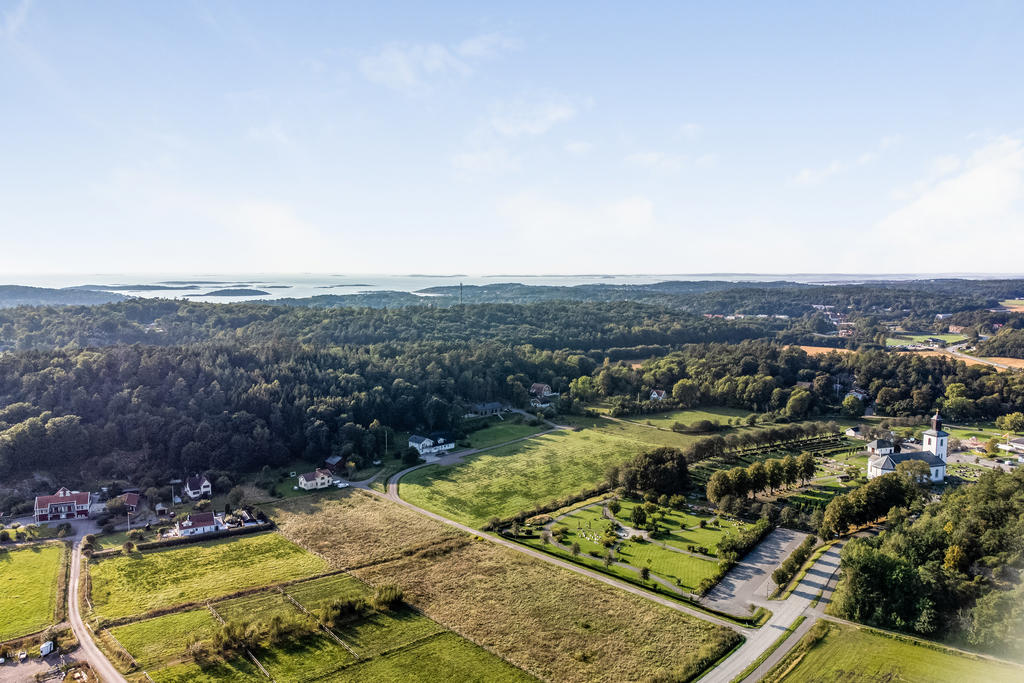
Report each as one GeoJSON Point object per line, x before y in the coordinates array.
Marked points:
{"type": "Point", "coordinates": [29, 580]}
{"type": "Point", "coordinates": [503, 481]}
{"type": "Point", "coordinates": [179, 646]}
{"type": "Point", "coordinates": [125, 585]}
{"type": "Point", "coordinates": [688, 417]}
{"type": "Point", "coordinates": [499, 431]}
{"type": "Point", "coordinates": [550, 622]}
{"type": "Point", "coordinates": [904, 339]}
{"type": "Point", "coordinates": [847, 653]}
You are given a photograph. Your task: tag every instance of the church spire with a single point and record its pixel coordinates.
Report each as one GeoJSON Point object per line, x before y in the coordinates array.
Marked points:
{"type": "Point", "coordinates": [936, 422]}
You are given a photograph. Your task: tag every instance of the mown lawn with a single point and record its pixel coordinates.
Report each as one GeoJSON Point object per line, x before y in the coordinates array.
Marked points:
{"type": "Point", "coordinates": [140, 582]}
{"type": "Point", "coordinates": [28, 588]}
{"type": "Point", "coordinates": [508, 479]}
{"type": "Point", "coordinates": [848, 653]}
{"type": "Point", "coordinates": [688, 417]}
{"type": "Point", "coordinates": [445, 657]}
{"type": "Point", "coordinates": [237, 670]}
{"type": "Point", "coordinates": [500, 432]}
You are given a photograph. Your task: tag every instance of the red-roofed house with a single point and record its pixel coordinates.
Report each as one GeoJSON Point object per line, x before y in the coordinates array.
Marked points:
{"type": "Point", "coordinates": [658, 395]}
{"type": "Point", "coordinates": [64, 504]}
{"type": "Point", "coordinates": [319, 479]}
{"type": "Point", "coordinates": [540, 390]}
{"type": "Point", "coordinates": [131, 501]}
{"type": "Point", "coordinates": [198, 523]}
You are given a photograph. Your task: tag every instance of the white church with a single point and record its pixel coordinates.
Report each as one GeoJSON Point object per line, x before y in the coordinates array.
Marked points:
{"type": "Point", "coordinates": [934, 448]}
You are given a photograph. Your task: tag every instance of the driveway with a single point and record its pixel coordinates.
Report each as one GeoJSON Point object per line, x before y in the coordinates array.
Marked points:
{"type": "Point", "coordinates": [750, 582]}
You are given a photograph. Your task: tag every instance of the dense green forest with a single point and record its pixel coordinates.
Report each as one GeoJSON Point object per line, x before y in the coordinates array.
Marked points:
{"type": "Point", "coordinates": [1008, 343]}
{"type": "Point", "coordinates": [951, 572]}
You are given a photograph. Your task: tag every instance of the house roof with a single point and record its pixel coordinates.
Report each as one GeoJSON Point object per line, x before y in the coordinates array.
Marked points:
{"type": "Point", "coordinates": [131, 499]}
{"type": "Point", "coordinates": [199, 519]}
{"type": "Point", "coordinates": [333, 460]}
{"type": "Point", "coordinates": [539, 387]}
{"type": "Point", "coordinates": [490, 405]}
{"type": "Point", "coordinates": [312, 476]}
{"type": "Point", "coordinates": [438, 437]}
{"type": "Point", "coordinates": [659, 392]}
{"type": "Point", "coordinates": [63, 496]}
{"type": "Point", "coordinates": [196, 483]}
{"type": "Point", "coordinates": [880, 443]}
{"type": "Point", "coordinates": [416, 438]}
{"type": "Point", "coordinates": [889, 462]}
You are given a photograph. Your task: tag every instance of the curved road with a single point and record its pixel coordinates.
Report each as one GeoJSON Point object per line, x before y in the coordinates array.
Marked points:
{"type": "Point", "coordinates": [97, 660]}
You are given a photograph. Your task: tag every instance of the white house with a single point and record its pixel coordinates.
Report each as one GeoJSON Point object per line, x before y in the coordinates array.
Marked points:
{"type": "Point", "coordinates": [318, 479]}
{"type": "Point", "coordinates": [853, 432]}
{"type": "Point", "coordinates": [198, 523]}
{"type": "Point", "coordinates": [658, 395]}
{"type": "Point", "coordinates": [934, 439]}
{"type": "Point", "coordinates": [881, 447]}
{"type": "Point", "coordinates": [64, 504]}
{"type": "Point", "coordinates": [197, 487]}
{"type": "Point", "coordinates": [433, 444]}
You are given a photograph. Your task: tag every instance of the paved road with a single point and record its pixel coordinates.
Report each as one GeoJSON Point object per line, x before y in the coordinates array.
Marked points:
{"type": "Point", "coordinates": [88, 650]}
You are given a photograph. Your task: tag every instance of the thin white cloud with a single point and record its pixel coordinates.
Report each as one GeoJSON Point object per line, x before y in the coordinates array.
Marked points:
{"type": "Point", "coordinates": [578, 147]}
{"type": "Point", "coordinates": [413, 67]}
{"type": "Point", "coordinates": [689, 131]}
{"type": "Point", "coordinates": [815, 176]}
{"type": "Point", "coordinates": [15, 18]}
{"type": "Point", "coordinates": [656, 160]}
{"type": "Point", "coordinates": [488, 159]}
{"type": "Point", "coordinates": [409, 68]}
{"type": "Point", "coordinates": [273, 133]}
{"type": "Point", "coordinates": [979, 204]}
{"type": "Point", "coordinates": [561, 224]}
{"type": "Point", "coordinates": [487, 45]}
{"type": "Point", "coordinates": [531, 116]}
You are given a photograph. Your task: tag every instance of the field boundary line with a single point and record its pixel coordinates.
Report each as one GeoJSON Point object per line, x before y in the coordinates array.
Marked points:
{"type": "Point", "coordinates": [321, 624]}
{"type": "Point", "coordinates": [255, 661]}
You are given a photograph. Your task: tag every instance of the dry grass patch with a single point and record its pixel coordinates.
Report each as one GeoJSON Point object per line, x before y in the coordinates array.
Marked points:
{"type": "Point", "coordinates": [1012, 362]}
{"type": "Point", "coordinates": [355, 528]}
{"type": "Point", "coordinates": [822, 350]}
{"type": "Point", "coordinates": [551, 622]}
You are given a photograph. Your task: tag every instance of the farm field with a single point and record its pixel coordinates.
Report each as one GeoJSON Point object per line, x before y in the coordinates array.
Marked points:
{"type": "Point", "coordinates": [1012, 362]}
{"type": "Point", "coordinates": [842, 656]}
{"type": "Point", "coordinates": [536, 616]}
{"type": "Point", "coordinates": [375, 529]}
{"type": "Point", "coordinates": [161, 645]}
{"type": "Point", "coordinates": [687, 417]}
{"type": "Point", "coordinates": [905, 339]}
{"type": "Point", "coordinates": [28, 588]}
{"type": "Point", "coordinates": [500, 432]}
{"type": "Point", "coordinates": [503, 481]}
{"type": "Point", "coordinates": [1016, 305]}
{"type": "Point", "coordinates": [135, 584]}
{"type": "Point", "coordinates": [822, 350]}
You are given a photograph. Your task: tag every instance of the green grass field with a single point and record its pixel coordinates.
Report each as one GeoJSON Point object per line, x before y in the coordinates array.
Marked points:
{"type": "Point", "coordinates": [406, 642]}
{"type": "Point", "coordinates": [682, 529]}
{"type": "Point", "coordinates": [126, 585]}
{"type": "Point", "coordinates": [445, 657]}
{"type": "Point", "coordinates": [28, 588]}
{"type": "Point", "coordinates": [906, 339]}
{"type": "Point", "coordinates": [516, 477]}
{"type": "Point", "coordinates": [688, 417]}
{"type": "Point", "coordinates": [500, 432]}
{"type": "Point", "coordinates": [852, 654]}
{"type": "Point", "coordinates": [154, 642]}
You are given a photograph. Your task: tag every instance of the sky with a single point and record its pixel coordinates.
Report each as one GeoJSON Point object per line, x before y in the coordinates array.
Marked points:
{"type": "Point", "coordinates": [531, 137]}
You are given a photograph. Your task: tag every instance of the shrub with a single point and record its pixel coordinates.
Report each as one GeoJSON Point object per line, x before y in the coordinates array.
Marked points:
{"type": "Point", "coordinates": [387, 596]}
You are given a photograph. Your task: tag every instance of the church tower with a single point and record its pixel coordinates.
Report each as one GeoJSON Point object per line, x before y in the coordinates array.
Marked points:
{"type": "Point", "coordinates": [935, 440]}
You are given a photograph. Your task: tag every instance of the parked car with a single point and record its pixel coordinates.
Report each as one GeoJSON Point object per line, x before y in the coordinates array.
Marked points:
{"type": "Point", "coordinates": [342, 485]}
